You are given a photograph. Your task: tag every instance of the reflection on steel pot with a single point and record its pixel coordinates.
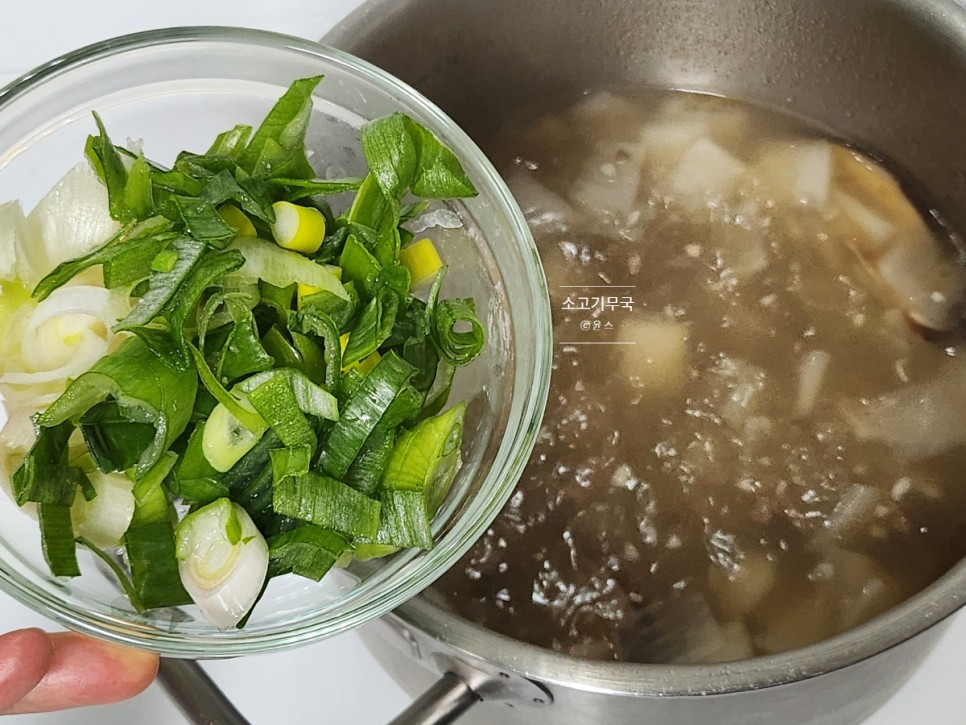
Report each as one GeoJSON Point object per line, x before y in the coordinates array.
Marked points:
{"type": "Point", "coordinates": [887, 74]}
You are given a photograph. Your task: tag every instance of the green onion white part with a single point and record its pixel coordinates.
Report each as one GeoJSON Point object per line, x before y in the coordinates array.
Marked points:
{"type": "Point", "coordinates": [66, 333]}
{"type": "Point", "coordinates": [225, 439]}
{"type": "Point", "coordinates": [223, 560]}
{"type": "Point", "coordinates": [104, 519]}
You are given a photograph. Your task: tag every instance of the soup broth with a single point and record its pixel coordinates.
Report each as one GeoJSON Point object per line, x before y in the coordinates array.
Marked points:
{"type": "Point", "coordinates": [754, 438]}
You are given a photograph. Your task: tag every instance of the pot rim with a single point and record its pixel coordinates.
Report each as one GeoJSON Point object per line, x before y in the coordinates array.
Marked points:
{"type": "Point", "coordinates": [928, 608]}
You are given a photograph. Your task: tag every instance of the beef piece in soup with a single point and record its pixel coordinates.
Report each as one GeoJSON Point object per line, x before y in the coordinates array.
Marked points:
{"type": "Point", "coordinates": [755, 434]}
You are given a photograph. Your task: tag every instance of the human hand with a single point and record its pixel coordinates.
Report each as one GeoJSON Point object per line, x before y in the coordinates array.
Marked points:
{"type": "Point", "coordinates": [40, 672]}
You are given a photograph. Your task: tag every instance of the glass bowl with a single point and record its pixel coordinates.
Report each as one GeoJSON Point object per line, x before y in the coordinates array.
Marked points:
{"type": "Point", "coordinates": [176, 89]}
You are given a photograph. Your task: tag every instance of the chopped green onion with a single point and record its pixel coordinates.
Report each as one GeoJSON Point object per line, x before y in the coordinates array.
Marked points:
{"type": "Point", "coordinates": [276, 403]}
{"type": "Point", "coordinates": [57, 535]}
{"type": "Point", "coordinates": [107, 162]}
{"type": "Point", "coordinates": [231, 142]}
{"type": "Point", "coordinates": [436, 403]}
{"type": "Point", "coordinates": [280, 267]}
{"type": "Point", "coordinates": [364, 410]}
{"type": "Point", "coordinates": [301, 188]}
{"type": "Point", "coordinates": [427, 457]}
{"type": "Point", "coordinates": [292, 461]}
{"type": "Point", "coordinates": [421, 353]}
{"type": "Point", "coordinates": [311, 357]}
{"type": "Point", "coordinates": [458, 346]}
{"type": "Point", "coordinates": [131, 262]}
{"type": "Point", "coordinates": [417, 479]}
{"type": "Point", "coordinates": [339, 310]}
{"type": "Point", "coordinates": [174, 182]}
{"type": "Point", "coordinates": [373, 328]}
{"type": "Point", "coordinates": [146, 232]}
{"type": "Point", "coordinates": [194, 479]}
{"type": "Point", "coordinates": [149, 541]}
{"type": "Point", "coordinates": [154, 566]}
{"type": "Point", "coordinates": [281, 350]}
{"type": "Point", "coordinates": [358, 264]}
{"type": "Point", "coordinates": [243, 353]}
{"type": "Point", "coordinates": [122, 578]}
{"type": "Point", "coordinates": [438, 173]}
{"type": "Point", "coordinates": [247, 478]}
{"type": "Point", "coordinates": [248, 418]}
{"type": "Point", "coordinates": [279, 299]}
{"type": "Point", "coordinates": [279, 143]}
{"type": "Point", "coordinates": [169, 270]}
{"type": "Point", "coordinates": [308, 551]}
{"type": "Point", "coordinates": [310, 398]}
{"type": "Point", "coordinates": [137, 191]}
{"type": "Point", "coordinates": [209, 270]}
{"type": "Point", "coordinates": [203, 222]}
{"type": "Point", "coordinates": [145, 389]}
{"type": "Point", "coordinates": [411, 211]}
{"type": "Point", "coordinates": [405, 521]}
{"type": "Point", "coordinates": [223, 187]}
{"type": "Point", "coordinates": [405, 156]}
{"type": "Point", "coordinates": [308, 372]}
{"type": "Point", "coordinates": [45, 476]}
{"type": "Point", "coordinates": [222, 308]}
{"type": "Point", "coordinates": [328, 503]}
{"type": "Point", "coordinates": [150, 498]}
{"type": "Point", "coordinates": [365, 552]}
{"type": "Point", "coordinates": [395, 278]}
{"type": "Point", "coordinates": [103, 519]}
{"type": "Point", "coordinates": [370, 208]}
{"type": "Point", "coordinates": [314, 322]}
{"type": "Point", "coordinates": [255, 496]}
{"type": "Point", "coordinates": [226, 439]}
{"type": "Point", "coordinates": [222, 560]}
{"type": "Point", "coordinates": [114, 441]}
{"type": "Point", "coordinates": [367, 469]}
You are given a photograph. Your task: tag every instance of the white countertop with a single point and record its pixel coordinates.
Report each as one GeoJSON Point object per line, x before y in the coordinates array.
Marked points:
{"type": "Point", "coordinates": [336, 681]}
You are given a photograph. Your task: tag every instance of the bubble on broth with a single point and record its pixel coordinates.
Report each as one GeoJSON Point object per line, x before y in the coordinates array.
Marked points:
{"type": "Point", "coordinates": [754, 433]}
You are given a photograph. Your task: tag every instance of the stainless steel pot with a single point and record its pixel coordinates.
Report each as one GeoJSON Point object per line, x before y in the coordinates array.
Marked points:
{"type": "Point", "coordinates": [887, 74]}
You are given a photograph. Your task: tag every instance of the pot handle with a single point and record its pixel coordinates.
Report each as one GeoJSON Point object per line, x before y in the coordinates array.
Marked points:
{"type": "Point", "coordinates": [441, 704]}
{"type": "Point", "coordinates": [466, 683]}
{"type": "Point", "coordinates": [203, 703]}
{"type": "Point", "coordinates": [196, 694]}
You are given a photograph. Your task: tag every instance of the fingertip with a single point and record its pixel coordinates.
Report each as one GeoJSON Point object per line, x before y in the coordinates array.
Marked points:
{"type": "Point", "coordinates": [139, 667]}
{"type": "Point", "coordinates": [86, 671]}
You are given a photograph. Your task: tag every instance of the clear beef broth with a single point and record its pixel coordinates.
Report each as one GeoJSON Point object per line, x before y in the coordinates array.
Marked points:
{"type": "Point", "coordinates": [774, 452]}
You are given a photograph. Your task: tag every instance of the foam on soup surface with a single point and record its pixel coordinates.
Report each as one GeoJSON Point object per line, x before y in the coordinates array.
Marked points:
{"type": "Point", "coordinates": [755, 432]}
